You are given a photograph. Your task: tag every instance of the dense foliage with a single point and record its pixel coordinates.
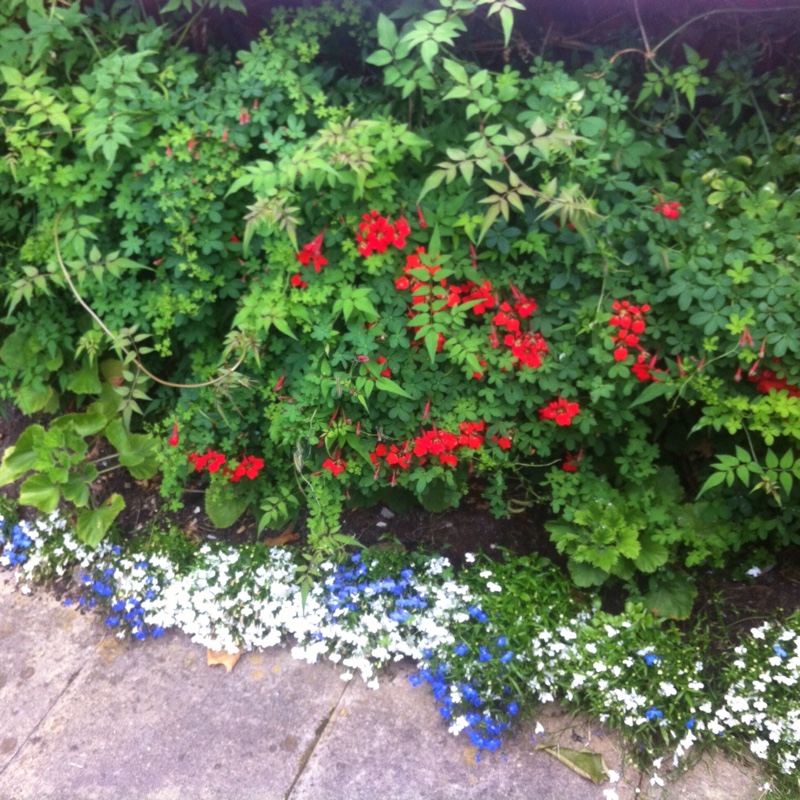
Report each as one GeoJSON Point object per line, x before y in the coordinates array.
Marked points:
{"type": "Point", "coordinates": [408, 280]}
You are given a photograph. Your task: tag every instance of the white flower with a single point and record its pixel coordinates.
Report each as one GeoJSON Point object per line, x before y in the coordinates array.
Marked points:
{"type": "Point", "coordinates": [470, 559]}
{"type": "Point", "coordinates": [539, 728]}
{"type": "Point", "coordinates": [493, 587]}
{"type": "Point", "coordinates": [485, 573]}
{"type": "Point", "coordinates": [759, 747]}
{"type": "Point", "coordinates": [610, 794]}
{"type": "Point", "coordinates": [613, 776]}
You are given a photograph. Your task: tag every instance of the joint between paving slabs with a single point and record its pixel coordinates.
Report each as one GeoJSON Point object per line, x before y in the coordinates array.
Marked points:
{"type": "Point", "coordinates": [44, 716]}
{"type": "Point", "coordinates": [318, 733]}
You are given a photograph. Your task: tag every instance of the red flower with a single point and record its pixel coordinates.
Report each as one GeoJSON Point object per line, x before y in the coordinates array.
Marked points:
{"type": "Point", "coordinates": [297, 281]}
{"type": "Point", "coordinates": [561, 411]}
{"type": "Point", "coordinates": [214, 461]}
{"type": "Point", "coordinates": [174, 439]}
{"type": "Point", "coordinates": [385, 372]}
{"type": "Point", "coordinates": [503, 442]}
{"type": "Point", "coordinates": [335, 467]}
{"type": "Point", "coordinates": [668, 210]}
{"type": "Point", "coordinates": [249, 466]}
{"type": "Point", "coordinates": [421, 217]}
{"type": "Point", "coordinates": [402, 283]}
{"type": "Point", "coordinates": [571, 461]}
{"type": "Point", "coordinates": [311, 253]}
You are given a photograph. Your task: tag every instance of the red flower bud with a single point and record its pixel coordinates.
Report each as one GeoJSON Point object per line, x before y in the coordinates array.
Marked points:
{"type": "Point", "coordinates": [174, 439]}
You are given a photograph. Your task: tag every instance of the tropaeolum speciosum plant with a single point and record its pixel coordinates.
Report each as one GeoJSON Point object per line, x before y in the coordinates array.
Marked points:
{"type": "Point", "coordinates": [415, 276]}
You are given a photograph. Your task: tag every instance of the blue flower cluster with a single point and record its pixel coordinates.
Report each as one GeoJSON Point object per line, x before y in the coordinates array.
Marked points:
{"type": "Point", "coordinates": [350, 589]}
{"type": "Point", "coordinates": [484, 730]}
{"type": "Point", "coordinates": [14, 544]}
{"type": "Point", "coordinates": [127, 613]}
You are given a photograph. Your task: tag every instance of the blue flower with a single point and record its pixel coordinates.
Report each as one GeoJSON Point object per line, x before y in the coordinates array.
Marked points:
{"type": "Point", "coordinates": [506, 657]}
{"type": "Point", "coordinates": [427, 653]}
{"type": "Point", "coordinates": [141, 565]}
{"type": "Point", "coordinates": [512, 708]}
{"type": "Point", "coordinates": [461, 649]}
{"type": "Point", "coordinates": [473, 717]}
{"type": "Point", "coordinates": [651, 658]}
{"type": "Point", "coordinates": [445, 712]}
{"type": "Point", "coordinates": [116, 550]}
{"type": "Point", "coordinates": [112, 621]}
{"type": "Point", "coordinates": [501, 641]}
{"type": "Point", "coordinates": [118, 607]}
{"type": "Point", "coordinates": [355, 558]}
{"type": "Point", "coordinates": [399, 616]}
{"type": "Point", "coordinates": [157, 631]}
{"type": "Point", "coordinates": [779, 651]}
{"type": "Point", "coordinates": [140, 634]}
{"type": "Point", "coordinates": [653, 713]}
{"type": "Point", "coordinates": [67, 602]}
{"type": "Point", "coordinates": [484, 655]}
{"type": "Point", "coordinates": [100, 588]}
{"type": "Point", "coordinates": [407, 574]}
{"type": "Point", "coordinates": [149, 595]}
{"type": "Point", "coordinates": [690, 723]}
{"type": "Point", "coordinates": [415, 680]}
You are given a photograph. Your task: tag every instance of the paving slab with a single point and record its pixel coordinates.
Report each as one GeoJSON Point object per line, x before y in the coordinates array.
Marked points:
{"type": "Point", "coordinates": [152, 721]}
{"type": "Point", "coordinates": [43, 647]}
{"type": "Point", "coordinates": [391, 742]}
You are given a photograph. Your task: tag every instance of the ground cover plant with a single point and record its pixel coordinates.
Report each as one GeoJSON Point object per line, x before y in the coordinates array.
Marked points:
{"type": "Point", "coordinates": [300, 283]}
{"type": "Point", "coordinates": [664, 689]}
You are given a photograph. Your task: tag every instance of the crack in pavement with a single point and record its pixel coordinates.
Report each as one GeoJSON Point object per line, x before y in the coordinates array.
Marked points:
{"type": "Point", "coordinates": [309, 751]}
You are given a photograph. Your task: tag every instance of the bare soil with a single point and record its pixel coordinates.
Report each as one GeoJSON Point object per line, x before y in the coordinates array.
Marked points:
{"type": "Point", "coordinates": [469, 528]}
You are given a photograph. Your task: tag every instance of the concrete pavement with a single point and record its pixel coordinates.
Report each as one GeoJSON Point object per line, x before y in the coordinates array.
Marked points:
{"type": "Point", "coordinates": [85, 716]}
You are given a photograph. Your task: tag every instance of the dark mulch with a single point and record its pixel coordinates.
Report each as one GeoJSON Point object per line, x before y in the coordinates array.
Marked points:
{"type": "Point", "coordinates": [469, 528]}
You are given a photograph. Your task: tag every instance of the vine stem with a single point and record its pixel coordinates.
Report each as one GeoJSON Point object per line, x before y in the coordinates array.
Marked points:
{"type": "Point", "coordinates": [114, 338]}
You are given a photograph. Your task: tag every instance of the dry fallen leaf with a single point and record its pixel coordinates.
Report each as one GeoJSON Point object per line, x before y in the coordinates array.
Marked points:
{"type": "Point", "coordinates": [228, 660]}
{"type": "Point", "coordinates": [284, 538]}
{"type": "Point", "coordinates": [585, 763]}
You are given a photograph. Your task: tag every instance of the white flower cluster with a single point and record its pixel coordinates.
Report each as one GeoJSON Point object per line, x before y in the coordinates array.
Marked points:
{"type": "Point", "coordinates": [230, 600]}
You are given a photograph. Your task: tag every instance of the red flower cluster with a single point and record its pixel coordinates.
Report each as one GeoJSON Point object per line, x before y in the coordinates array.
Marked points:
{"type": "Point", "coordinates": [525, 346]}
{"type": "Point", "coordinates": [668, 210]}
{"type": "Point", "coordinates": [334, 466]}
{"type": "Point", "coordinates": [561, 410]}
{"type": "Point", "coordinates": [249, 466]}
{"type": "Point", "coordinates": [211, 460]}
{"type": "Point", "coordinates": [766, 380]}
{"type": "Point", "coordinates": [630, 323]}
{"type": "Point", "coordinates": [297, 281]}
{"type": "Point", "coordinates": [376, 233]}
{"type": "Point", "coordinates": [433, 443]}
{"type": "Point", "coordinates": [396, 457]}
{"type": "Point", "coordinates": [386, 372]}
{"type": "Point", "coordinates": [645, 370]}
{"type": "Point", "coordinates": [571, 461]}
{"type": "Point", "coordinates": [311, 253]}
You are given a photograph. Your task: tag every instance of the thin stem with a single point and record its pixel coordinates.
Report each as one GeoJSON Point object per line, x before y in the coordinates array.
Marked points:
{"type": "Point", "coordinates": [650, 53]}
{"type": "Point", "coordinates": [714, 12]}
{"type": "Point", "coordinates": [113, 337]}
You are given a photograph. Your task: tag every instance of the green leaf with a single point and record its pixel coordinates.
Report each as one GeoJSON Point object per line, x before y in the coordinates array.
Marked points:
{"type": "Point", "coordinates": [86, 424]}
{"type": "Point", "coordinates": [388, 385]}
{"type": "Point", "coordinates": [671, 596]}
{"type": "Point", "coordinates": [380, 58]}
{"type": "Point", "coordinates": [39, 491]}
{"type": "Point", "coordinates": [715, 479]}
{"type": "Point", "coordinates": [21, 457]}
{"type": "Point", "coordinates": [652, 555]}
{"type": "Point", "coordinates": [223, 504]}
{"type": "Point", "coordinates": [93, 525]}
{"type": "Point", "coordinates": [456, 70]}
{"type": "Point", "coordinates": [387, 32]}
{"type": "Point", "coordinates": [586, 575]}
{"type": "Point", "coordinates": [507, 21]}
{"type": "Point", "coordinates": [651, 392]}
